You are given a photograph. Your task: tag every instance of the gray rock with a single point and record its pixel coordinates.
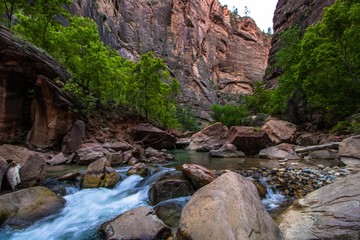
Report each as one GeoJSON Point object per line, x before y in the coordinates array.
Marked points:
{"type": "Point", "coordinates": [331, 212]}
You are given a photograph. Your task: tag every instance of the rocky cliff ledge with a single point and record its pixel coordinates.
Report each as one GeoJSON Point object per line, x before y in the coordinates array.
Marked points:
{"type": "Point", "coordinates": [289, 13]}
{"type": "Point", "coordinates": [30, 100]}
{"type": "Point", "coordinates": [209, 51]}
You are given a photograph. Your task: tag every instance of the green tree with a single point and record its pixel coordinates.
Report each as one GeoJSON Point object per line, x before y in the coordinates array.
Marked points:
{"type": "Point", "coordinates": [7, 10]}
{"type": "Point", "coordinates": [229, 115]}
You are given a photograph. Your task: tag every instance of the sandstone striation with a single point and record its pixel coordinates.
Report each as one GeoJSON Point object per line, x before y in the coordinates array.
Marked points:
{"type": "Point", "coordinates": [211, 52]}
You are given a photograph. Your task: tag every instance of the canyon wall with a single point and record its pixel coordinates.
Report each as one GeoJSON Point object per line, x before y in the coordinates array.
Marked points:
{"type": "Point", "coordinates": [289, 13]}
{"type": "Point", "coordinates": [209, 50]}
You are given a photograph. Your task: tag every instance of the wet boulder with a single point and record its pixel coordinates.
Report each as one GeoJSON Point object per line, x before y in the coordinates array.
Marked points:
{"type": "Point", "coordinates": [227, 208]}
{"type": "Point", "coordinates": [32, 173]}
{"type": "Point", "coordinates": [209, 138]}
{"type": "Point", "coordinates": [198, 175]}
{"type": "Point", "coordinates": [138, 223]}
{"type": "Point", "coordinates": [100, 174]}
{"type": "Point", "coordinates": [169, 211]}
{"type": "Point", "coordinates": [73, 138]}
{"type": "Point", "coordinates": [331, 212]}
{"type": "Point", "coordinates": [154, 156]}
{"type": "Point", "coordinates": [22, 208]}
{"type": "Point", "coordinates": [154, 137]}
{"type": "Point", "coordinates": [170, 185]}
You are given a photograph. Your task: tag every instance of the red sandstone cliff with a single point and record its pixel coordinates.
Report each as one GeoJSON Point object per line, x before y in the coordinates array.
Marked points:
{"type": "Point", "coordinates": [209, 56]}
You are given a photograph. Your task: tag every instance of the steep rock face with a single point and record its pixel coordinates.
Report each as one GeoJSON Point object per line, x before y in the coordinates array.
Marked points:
{"type": "Point", "coordinates": [209, 52]}
{"type": "Point", "coordinates": [29, 98]}
{"type": "Point", "coordinates": [289, 13]}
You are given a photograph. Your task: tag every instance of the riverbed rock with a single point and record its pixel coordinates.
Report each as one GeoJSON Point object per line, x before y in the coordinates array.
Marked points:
{"type": "Point", "coordinates": [281, 151]}
{"type": "Point", "coordinates": [100, 174]}
{"type": "Point", "coordinates": [170, 185]}
{"type": "Point", "coordinates": [248, 139]}
{"type": "Point", "coordinates": [119, 146]}
{"type": "Point", "coordinates": [3, 169]}
{"type": "Point", "coordinates": [151, 136]}
{"type": "Point", "coordinates": [73, 138]}
{"type": "Point", "coordinates": [154, 156]}
{"type": "Point", "coordinates": [139, 169]}
{"type": "Point", "coordinates": [227, 208]}
{"type": "Point", "coordinates": [228, 150]}
{"type": "Point", "coordinates": [90, 152]}
{"type": "Point", "coordinates": [138, 223]}
{"type": "Point", "coordinates": [209, 138]}
{"type": "Point", "coordinates": [22, 208]}
{"type": "Point", "coordinates": [324, 154]}
{"type": "Point", "coordinates": [198, 175]}
{"type": "Point", "coordinates": [331, 212]}
{"type": "Point", "coordinates": [280, 131]}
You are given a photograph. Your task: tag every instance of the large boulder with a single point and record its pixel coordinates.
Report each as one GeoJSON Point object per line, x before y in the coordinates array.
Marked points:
{"type": "Point", "coordinates": [209, 138]}
{"type": "Point", "coordinates": [280, 131]}
{"type": "Point", "coordinates": [153, 137]}
{"type": "Point", "coordinates": [170, 185]}
{"type": "Point", "coordinates": [350, 147]}
{"type": "Point", "coordinates": [331, 212]}
{"type": "Point", "coordinates": [138, 223]}
{"type": "Point", "coordinates": [248, 139]}
{"type": "Point", "coordinates": [227, 208]}
{"type": "Point", "coordinates": [198, 175]}
{"type": "Point", "coordinates": [73, 138]}
{"type": "Point", "coordinates": [154, 156]}
{"type": "Point", "coordinates": [228, 150]}
{"type": "Point", "coordinates": [24, 207]}
{"type": "Point", "coordinates": [100, 174]}
{"type": "Point", "coordinates": [32, 173]}
{"type": "Point", "coordinates": [139, 169]}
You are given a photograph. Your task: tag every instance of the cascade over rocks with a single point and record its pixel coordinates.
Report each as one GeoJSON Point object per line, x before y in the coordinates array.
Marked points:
{"type": "Point", "coordinates": [208, 51]}
{"type": "Point", "coordinates": [29, 96]}
{"type": "Point", "coordinates": [331, 212]}
{"type": "Point", "coordinates": [227, 208]}
{"type": "Point", "coordinates": [22, 208]}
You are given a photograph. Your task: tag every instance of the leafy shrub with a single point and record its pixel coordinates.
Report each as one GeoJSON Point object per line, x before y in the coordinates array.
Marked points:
{"type": "Point", "coordinates": [229, 115]}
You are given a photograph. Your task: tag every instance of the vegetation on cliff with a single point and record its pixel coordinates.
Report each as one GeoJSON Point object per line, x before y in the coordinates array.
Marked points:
{"type": "Point", "coordinates": [99, 74]}
{"type": "Point", "coordinates": [320, 70]}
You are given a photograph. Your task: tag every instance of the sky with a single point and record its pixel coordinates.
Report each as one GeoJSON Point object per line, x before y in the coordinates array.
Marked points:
{"type": "Point", "coordinates": [261, 11]}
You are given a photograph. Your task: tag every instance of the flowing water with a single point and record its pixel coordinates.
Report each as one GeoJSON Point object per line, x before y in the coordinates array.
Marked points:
{"type": "Point", "coordinates": [87, 209]}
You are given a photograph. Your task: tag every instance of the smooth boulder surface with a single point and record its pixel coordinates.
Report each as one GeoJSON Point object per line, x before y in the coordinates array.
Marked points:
{"type": "Point", "coordinates": [32, 173]}
{"type": "Point", "coordinates": [228, 150]}
{"type": "Point", "coordinates": [22, 208]}
{"type": "Point", "coordinates": [280, 131]}
{"type": "Point", "coordinates": [350, 147]}
{"type": "Point", "coordinates": [331, 212]}
{"type": "Point", "coordinates": [281, 151]}
{"type": "Point", "coordinates": [138, 223]}
{"type": "Point", "coordinates": [227, 208]}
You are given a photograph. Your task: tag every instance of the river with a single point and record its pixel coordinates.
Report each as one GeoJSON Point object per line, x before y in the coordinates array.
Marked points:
{"type": "Point", "coordinates": [87, 209]}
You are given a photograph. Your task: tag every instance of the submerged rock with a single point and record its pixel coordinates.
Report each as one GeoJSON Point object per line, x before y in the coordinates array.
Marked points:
{"type": "Point", "coordinates": [139, 169]}
{"type": "Point", "coordinates": [331, 212]}
{"type": "Point", "coordinates": [22, 208]}
{"type": "Point", "coordinates": [227, 208]}
{"type": "Point", "coordinates": [138, 223]}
